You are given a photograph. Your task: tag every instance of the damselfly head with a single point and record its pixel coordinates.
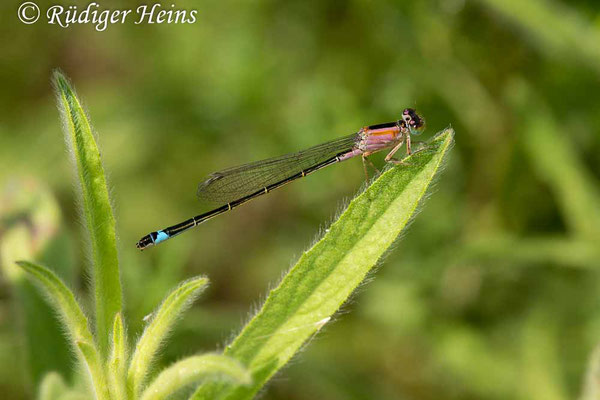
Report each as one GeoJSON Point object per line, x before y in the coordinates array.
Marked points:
{"type": "Point", "coordinates": [414, 122]}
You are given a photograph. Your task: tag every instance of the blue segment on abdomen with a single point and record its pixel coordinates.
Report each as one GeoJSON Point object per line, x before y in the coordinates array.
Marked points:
{"type": "Point", "coordinates": [160, 237]}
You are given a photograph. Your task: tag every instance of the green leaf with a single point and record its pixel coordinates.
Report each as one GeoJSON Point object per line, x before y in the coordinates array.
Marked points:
{"type": "Point", "coordinates": [73, 319]}
{"type": "Point", "coordinates": [541, 376]}
{"type": "Point", "coordinates": [62, 299]}
{"type": "Point", "coordinates": [52, 387]}
{"type": "Point", "coordinates": [559, 30]}
{"type": "Point", "coordinates": [95, 369]}
{"type": "Point", "coordinates": [117, 362]}
{"type": "Point", "coordinates": [30, 223]}
{"type": "Point", "coordinates": [555, 160]}
{"type": "Point", "coordinates": [96, 209]}
{"type": "Point", "coordinates": [591, 385]}
{"type": "Point", "coordinates": [328, 273]}
{"type": "Point", "coordinates": [157, 330]}
{"type": "Point", "coordinates": [506, 248]}
{"type": "Point", "coordinates": [193, 370]}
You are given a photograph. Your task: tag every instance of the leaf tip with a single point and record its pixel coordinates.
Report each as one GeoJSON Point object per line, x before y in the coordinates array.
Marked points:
{"type": "Point", "coordinates": [59, 81]}
{"type": "Point", "coordinates": [118, 323]}
{"type": "Point", "coordinates": [199, 282]}
{"type": "Point", "coordinates": [26, 265]}
{"type": "Point", "coordinates": [445, 134]}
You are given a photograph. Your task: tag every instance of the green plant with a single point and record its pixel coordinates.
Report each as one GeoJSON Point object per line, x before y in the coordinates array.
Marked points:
{"type": "Point", "coordinates": [105, 356]}
{"type": "Point", "coordinates": [312, 291]}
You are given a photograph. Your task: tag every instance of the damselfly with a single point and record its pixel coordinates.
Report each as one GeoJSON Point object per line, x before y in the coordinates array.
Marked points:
{"type": "Point", "coordinates": [237, 185]}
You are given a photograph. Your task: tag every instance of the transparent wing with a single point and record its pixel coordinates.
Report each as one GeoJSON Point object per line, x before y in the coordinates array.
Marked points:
{"type": "Point", "coordinates": [236, 182]}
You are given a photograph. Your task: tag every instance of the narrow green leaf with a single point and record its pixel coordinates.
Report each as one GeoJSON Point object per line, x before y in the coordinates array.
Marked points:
{"type": "Point", "coordinates": [560, 30]}
{"type": "Point", "coordinates": [157, 330]}
{"type": "Point", "coordinates": [117, 362]}
{"type": "Point", "coordinates": [52, 387]}
{"type": "Point", "coordinates": [30, 222]}
{"type": "Point", "coordinates": [193, 370]}
{"type": "Point", "coordinates": [73, 319]}
{"type": "Point", "coordinates": [506, 248]}
{"type": "Point", "coordinates": [591, 384]}
{"type": "Point", "coordinates": [40, 328]}
{"type": "Point", "coordinates": [95, 369]}
{"type": "Point", "coordinates": [554, 158]}
{"type": "Point", "coordinates": [556, 161]}
{"type": "Point", "coordinates": [327, 274]}
{"type": "Point", "coordinates": [96, 209]}
{"type": "Point", "coordinates": [62, 299]}
{"type": "Point", "coordinates": [541, 376]}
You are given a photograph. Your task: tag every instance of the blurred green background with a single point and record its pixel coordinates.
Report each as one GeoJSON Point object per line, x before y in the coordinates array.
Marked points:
{"type": "Point", "coordinates": [493, 293]}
